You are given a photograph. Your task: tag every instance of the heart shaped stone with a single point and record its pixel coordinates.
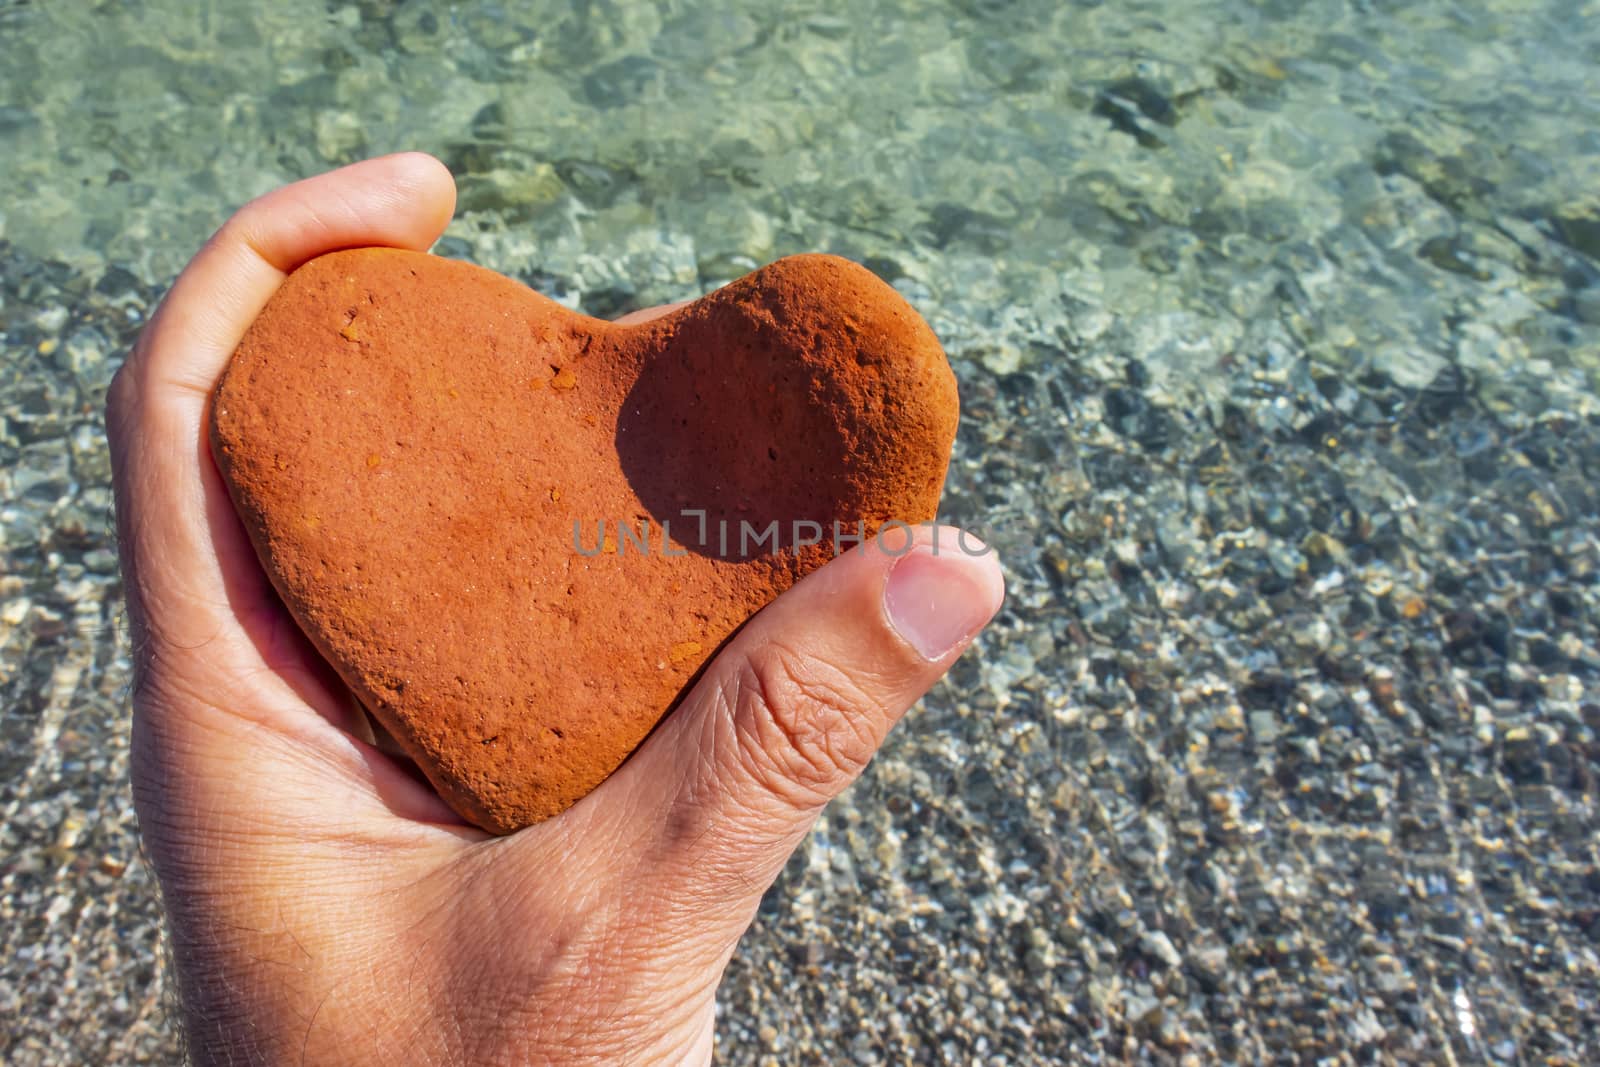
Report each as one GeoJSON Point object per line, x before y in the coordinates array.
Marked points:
{"type": "Point", "coordinates": [518, 532]}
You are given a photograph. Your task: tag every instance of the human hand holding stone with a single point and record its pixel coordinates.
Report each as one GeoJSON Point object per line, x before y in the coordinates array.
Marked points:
{"type": "Point", "coordinates": [325, 906]}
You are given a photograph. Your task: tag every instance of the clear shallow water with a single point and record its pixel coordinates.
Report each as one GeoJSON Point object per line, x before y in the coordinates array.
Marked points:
{"type": "Point", "coordinates": [1278, 328]}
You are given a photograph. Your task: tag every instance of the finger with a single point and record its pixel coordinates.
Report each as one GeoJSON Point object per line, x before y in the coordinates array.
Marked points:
{"type": "Point", "coordinates": [171, 505]}
{"type": "Point", "coordinates": [790, 712]}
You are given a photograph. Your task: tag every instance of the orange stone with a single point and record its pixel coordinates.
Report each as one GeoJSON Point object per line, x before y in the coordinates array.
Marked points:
{"type": "Point", "coordinates": [393, 428]}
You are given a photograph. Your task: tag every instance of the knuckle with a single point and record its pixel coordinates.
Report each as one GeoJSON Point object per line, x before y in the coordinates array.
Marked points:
{"type": "Point", "coordinates": [241, 227]}
{"type": "Point", "coordinates": [804, 730]}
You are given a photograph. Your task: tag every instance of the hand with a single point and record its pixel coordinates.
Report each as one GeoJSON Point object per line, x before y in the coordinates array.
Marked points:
{"type": "Point", "coordinates": [325, 906]}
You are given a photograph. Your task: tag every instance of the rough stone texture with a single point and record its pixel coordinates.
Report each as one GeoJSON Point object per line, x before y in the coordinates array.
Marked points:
{"type": "Point", "coordinates": [460, 489]}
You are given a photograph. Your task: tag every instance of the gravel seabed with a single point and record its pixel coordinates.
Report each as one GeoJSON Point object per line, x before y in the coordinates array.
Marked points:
{"type": "Point", "coordinates": [1278, 333]}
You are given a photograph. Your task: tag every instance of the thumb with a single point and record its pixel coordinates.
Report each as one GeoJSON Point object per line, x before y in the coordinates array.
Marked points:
{"type": "Point", "coordinates": [794, 707]}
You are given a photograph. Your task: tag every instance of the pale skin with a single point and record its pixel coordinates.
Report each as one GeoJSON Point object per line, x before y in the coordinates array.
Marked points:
{"type": "Point", "coordinates": [324, 905]}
